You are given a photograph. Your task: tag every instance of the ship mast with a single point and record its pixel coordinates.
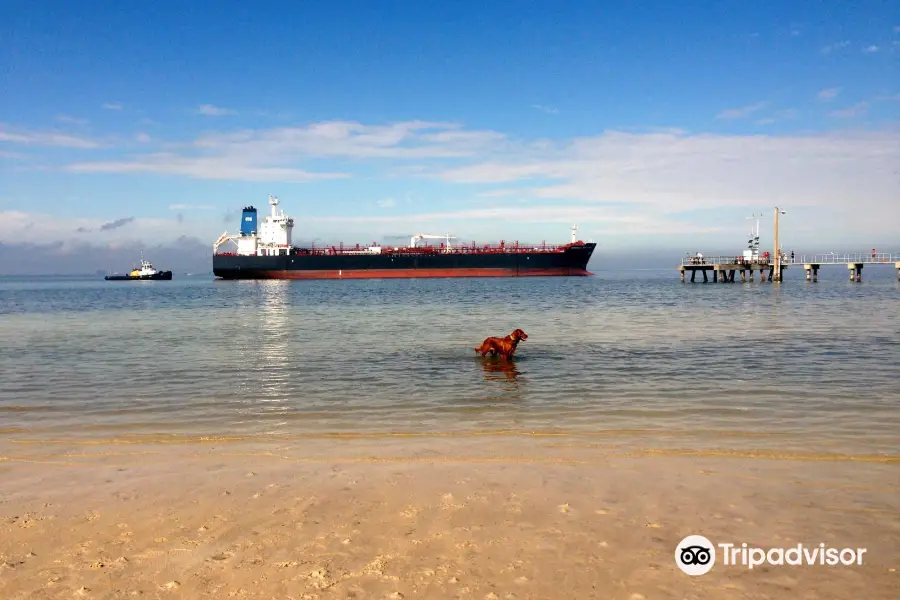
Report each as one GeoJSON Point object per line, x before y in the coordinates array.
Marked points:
{"type": "Point", "coordinates": [273, 202]}
{"type": "Point", "coordinates": [574, 232]}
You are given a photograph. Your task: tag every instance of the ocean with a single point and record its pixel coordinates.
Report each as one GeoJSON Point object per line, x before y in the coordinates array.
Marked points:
{"type": "Point", "coordinates": [636, 359]}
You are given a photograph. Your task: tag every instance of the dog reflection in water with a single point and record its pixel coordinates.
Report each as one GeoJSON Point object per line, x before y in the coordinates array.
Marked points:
{"type": "Point", "coordinates": [499, 369]}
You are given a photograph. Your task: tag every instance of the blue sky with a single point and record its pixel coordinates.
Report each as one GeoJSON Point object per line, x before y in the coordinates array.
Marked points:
{"type": "Point", "coordinates": [650, 124]}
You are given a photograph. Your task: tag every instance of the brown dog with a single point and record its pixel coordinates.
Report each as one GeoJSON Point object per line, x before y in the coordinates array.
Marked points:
{"type": "Point", "coordinates": [505, 346]}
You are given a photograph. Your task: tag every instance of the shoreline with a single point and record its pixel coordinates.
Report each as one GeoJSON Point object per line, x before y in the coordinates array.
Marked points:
{"type": "Point", "coordinates": [438, 516]}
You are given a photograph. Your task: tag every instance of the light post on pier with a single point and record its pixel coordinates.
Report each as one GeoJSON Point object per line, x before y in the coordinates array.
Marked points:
{"type": "Point", "coordinates": [777, 253]}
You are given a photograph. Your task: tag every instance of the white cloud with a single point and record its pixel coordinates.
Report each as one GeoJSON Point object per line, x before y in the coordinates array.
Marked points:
{"type": "Point", "coordinates": [387, 203]}
{"type": "Point", "coordinates": [655, 174]}
{"type": "Point", "coordinates": [112, 106]}
{"type": "Point", "coordinates": [547, 109]}
{"type": "Point", "coordinates": [211, 110]}
{"type": "Point", "coordinates": [228, 168]}
{"type": "Point", "coordinates": [829, 93]}
{"type": "Point", "coordinates": [870, 49]}
{"type": "Point", "coordinates": [71, 120]}
{"type": "Point", "coordinates": [45, 138]}
{"type": "Point", "coordinates": [629, 181]}
{"type": "Point", "coordinates": [740, 113]}
{"type": "Point", "coordinates": [858, 109]}
{"type": "Point", "coordinates": [264, 155]}
{"type": "Point", "coordinates": [781, 115]}
{"type": "Point", "coordinates": [142, 138]}
{"type": "Point", "coordinates": [836, 46]}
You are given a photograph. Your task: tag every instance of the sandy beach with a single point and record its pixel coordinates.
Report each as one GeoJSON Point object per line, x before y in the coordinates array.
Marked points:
{"type": "Point", "coordinates": [430, 517]}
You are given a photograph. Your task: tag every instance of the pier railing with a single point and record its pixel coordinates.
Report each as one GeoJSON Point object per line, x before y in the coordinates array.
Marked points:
{"type": "Point", "coordinates": [830, 258]}
{"type": "Point", "coordinates": [696, 261]}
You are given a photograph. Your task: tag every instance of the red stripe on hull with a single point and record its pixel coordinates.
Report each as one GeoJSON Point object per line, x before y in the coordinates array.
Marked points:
{"type": "Point", "coordinates": [418, 273]}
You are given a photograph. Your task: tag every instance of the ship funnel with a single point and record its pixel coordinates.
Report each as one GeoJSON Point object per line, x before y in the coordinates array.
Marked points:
{"type": "Point", "coordinates": [248, 221]}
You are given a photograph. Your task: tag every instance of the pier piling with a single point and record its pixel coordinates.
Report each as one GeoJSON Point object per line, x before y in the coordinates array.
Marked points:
{"type": "Point", "coordinates": [723, 268]}
{"type": "Point", "coordinates": [812, 272]}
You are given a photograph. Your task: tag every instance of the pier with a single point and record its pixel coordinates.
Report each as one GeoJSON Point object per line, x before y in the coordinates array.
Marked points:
{"type": "Point", "coordinates": [724, 268]}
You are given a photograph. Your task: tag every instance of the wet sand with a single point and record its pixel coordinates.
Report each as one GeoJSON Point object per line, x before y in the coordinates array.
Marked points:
{"type": "Point", "coordinates": [477, 517]}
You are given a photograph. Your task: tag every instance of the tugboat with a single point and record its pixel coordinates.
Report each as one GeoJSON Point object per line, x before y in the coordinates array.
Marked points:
{"type": "Point", "coordinates": [145, 273]}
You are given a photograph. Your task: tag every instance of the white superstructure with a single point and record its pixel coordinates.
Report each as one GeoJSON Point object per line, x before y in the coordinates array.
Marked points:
{"type": "Point", "coordinates": [271, 237]}
{"type": "Point", "coordinates": [146, 269]}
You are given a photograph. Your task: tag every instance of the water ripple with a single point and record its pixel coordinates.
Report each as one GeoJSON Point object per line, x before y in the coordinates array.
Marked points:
{"type": "Point", "coordinates": [794, 366]}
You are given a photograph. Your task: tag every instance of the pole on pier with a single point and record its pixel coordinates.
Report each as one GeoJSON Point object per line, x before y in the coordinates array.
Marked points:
{"type": "Point", "coordinates": [776, 271]}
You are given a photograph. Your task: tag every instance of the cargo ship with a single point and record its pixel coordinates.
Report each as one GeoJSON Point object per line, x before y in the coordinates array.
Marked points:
{"type": "Point", "coordinates": [264, 250]}
{"type": "Point", "coordinates": [146, 273]}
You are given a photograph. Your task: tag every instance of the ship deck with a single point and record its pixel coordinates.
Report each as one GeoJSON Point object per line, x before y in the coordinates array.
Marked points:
{"type": "Point", "coordinates": [360, 250]}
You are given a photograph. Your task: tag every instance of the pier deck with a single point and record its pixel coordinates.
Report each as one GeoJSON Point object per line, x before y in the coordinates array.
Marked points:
{"type": "Point", "coordinates": [724, 268]}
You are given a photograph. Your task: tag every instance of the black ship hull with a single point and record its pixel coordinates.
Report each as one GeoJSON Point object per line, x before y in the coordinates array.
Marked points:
{"type": "Point", "coordinates": [300, 264]}
{"type": "Point", "coordinates": [160, 276]}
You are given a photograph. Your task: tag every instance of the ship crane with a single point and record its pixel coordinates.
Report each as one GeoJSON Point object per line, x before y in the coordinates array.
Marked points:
{"type": "Point", "coordinates": [423, 236]}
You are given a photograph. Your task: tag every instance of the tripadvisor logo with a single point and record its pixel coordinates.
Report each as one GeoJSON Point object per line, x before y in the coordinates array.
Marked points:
{"type": "Point", "coordinates": [696, 555]}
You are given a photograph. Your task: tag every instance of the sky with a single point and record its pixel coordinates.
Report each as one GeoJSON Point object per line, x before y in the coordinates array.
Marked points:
{"type": "Point", "coordinates": [653, 125]}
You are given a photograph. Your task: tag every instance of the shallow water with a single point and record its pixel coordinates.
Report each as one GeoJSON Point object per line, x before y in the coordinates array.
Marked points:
{"type": "Point", "coordinates": [795, 367]}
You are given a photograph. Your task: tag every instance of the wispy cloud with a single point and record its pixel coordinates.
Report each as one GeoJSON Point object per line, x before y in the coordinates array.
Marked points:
{"type": "Point", "coordinates": [112, 106]}
{"type": "Point", "coordinates": [870, 49]}
{"type": "Point", "coordinates": [45, 138]}
{"type": "Point", "coordinates": [107, 226]}
{"type": "Point", "coordinates": [226, 168]}
{"type": "Point", "coordinates": [829, 93]}
{"type": "Point", "coordinates": [666, 173]}
{"type": "Point", "coordinates": [858, 109]}
{"type": "Point", "coordinates": [270, 154]}
{"type": "Point", "coordinates": [51, 228]}
{"type": "Point", "coordinates": [636, 179]}
{"type": "Point", "coordinates": [781, 115]}
{"type": "Point", "coordinates": [116, 224]}
{"type": "Point", "coordinates": [836, 46]}
{"type": "Point", "coordinates": [211, 110]}
{"type": "Point", "coordinates": [387, 203]}
{"type": "Point", "coordinates": [191, 207]}
{"type": "Point", "coordinates": [742, 112]}
{"type": "Point", "coordinates": [547, 109]}
{"type": "Point", "coordinates": [71, 120]}
{"type": "Point", "coordinates": [142, 138]}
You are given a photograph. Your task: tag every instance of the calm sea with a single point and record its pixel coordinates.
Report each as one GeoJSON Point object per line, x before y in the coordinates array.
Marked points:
{"type": "Point", "coordinates": [798, 366]}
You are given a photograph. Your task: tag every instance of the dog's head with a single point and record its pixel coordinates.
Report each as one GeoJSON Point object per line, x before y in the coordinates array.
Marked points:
{"type": "Point", "coordinates": [518, 334]}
